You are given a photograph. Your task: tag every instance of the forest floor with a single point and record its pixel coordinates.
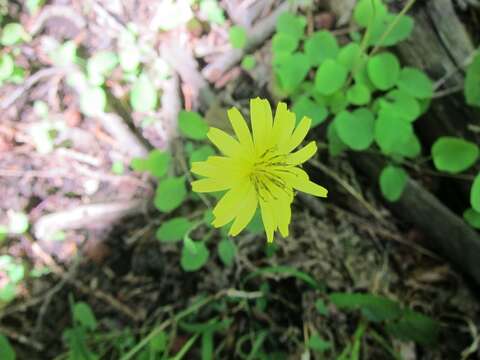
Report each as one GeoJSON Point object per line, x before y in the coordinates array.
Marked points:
{"type": "Point", "coordinates": [101, 247]}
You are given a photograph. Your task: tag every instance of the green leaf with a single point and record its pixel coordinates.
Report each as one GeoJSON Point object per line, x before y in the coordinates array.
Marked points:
{"type": "Point", "coordinates": [367, 11]}
{"type": "Point", "coordinates": [173, 230]}
{"type": "Point", "coordinates": [129, 58]}
{"type": "Point", "coordinates": [143, 96]}
{"type": "Point", "coordinates": [316, 343]}
{"type": "Point", "coordinates": [472, 82]}
{"type": "Point", "coordinates": [6, 67]}
{"type": "Point", "coordinates": [475, 193]}
{"type": "Point", "coordinates": [213, 11]}
{"type": "Point", "coordinates": [330, 77]}
{"type": "Point", "coordinates": [8, 292]}
{"type": "Point", "coordinates": [454, 155]}
{"type": "Point", "coordinates": [291, 24]}
{"type": "Point", "coordinates": [472, 218]}
{"type": "Point", "coordinates": [118, 168]}
{"type": "Point", "coordinates": [413, 326]}
{"type": "Point", "coordinates": [93, 101]}
{"type": "Point", "coordinates": [192, 125]}
{"type": "Point", "coordinates": [374, 308]}
{"type": "Point", "coordinates": [410, 148]}
{"type": "Point", "coordinates": [3, 233]}
{"type": "Point", "coordinates": [320, 46]}
{"type": "Point", "coordinates": [359, 94]}
{"type": "Point", "coordinates": [17, 222]}
{"type": "Point", "coordinates": [158, 343]}
{"type": "Point", "coordinates": [100, 65]}
{"type": "Point", "coordinates": [226, 251]}
{"type": "Point", "coordinates": [321, 307]}
{"type": "Point", "coordinates": [402, 104]}
{"type": "Point", "coordinates": [349, 55]}
{"type": "Point", "coordinates": [6, 350]}
{"type": "Point", "coordinates": [335, 145]}
{"type": "Point", "coordinates": [83, 314]}
{"type": "Point", "coordinates": [383, 70]}
{"type": "Point", "coordinates": [356, 129]}
{"type": "Point", "coordinates": [194, 258]}
{"type": "Point", "coordinates": [393, 180]}
{"type": "Point", "coordinates": [65, 54]}
{"type": "Point", "coordinates": [391, 133]}
{"type": "Point", "coordinates": [292, 71]}
{"type": "Point", "coordinates": [202, 153]}
{"type": "Point", "coordinates": [12, 34]}
{"type": "Point", "coordinates": [156, 163]}
{"type": "Point", "coordinates": [248, 62]}
{"type": "Point", "coordinates": [256, 225]}
{"type": "Point", "coordinates": [401, 31]}
{"type": "Point", "coordinates": [237, 36]}
{"type": "Point", "coordinates": [170, 194]}
{"type": "Point", "coordinates": [303, 106]}
{"type": "Point", "coordinates": [284, 43]}
{"type": "Point", "coordinates": [415, 83]}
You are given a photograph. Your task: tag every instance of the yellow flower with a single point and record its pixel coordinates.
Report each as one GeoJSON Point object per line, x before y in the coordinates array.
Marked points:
{"type": "Point", "coordinates": [258, 169]}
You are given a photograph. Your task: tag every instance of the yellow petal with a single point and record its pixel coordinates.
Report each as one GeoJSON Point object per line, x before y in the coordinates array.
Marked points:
{"type": "Point", "coordinates": [310, 187]}
{"type": "Point", "coordinates": [224, 142]}
{"type": "Point", "coordinates": [240, 127]}
{"type": "Point", "coordinates": [261, 119]}
{"type": "Point", "coordinates": [282, 125]}
{"type": "Point", "coordinates": [282, 214]}
{"type": "Point", "coordinates": [204, 168]}
{"type": "Point", "coordinates": [210, 185]}
{"type": "Point", "coordinates": [245, 213]}
{"type": "Point", "coordinates": [268, 219]}
{"type": "Point", "coordinates": [227, 208]}
{"type": "Point", "coordinates": [298, 135]}
{"type": "Point", "coordinates": [302, 155]}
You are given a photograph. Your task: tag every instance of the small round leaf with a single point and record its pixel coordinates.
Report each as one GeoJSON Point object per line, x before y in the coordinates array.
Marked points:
{"type": "Point", "coordinates": [321, 46]}
{"type": "Point", "coordinates": [475, 194]}
{"type": "Point", "coordinates": [472, 217]}
{"type": "Point", "coordinates": [306, 107]}
{"type": "Point", "coordinates": [6, 350]}
{"type": "Point", "coordinates": [454, 155]}
{"type": "Point", "coordinates": [226, 251]}
{"type": "Point", "coordinates": [170, 194]}
{"type": "Point", "coordinates": [6, 67]}
{"type": "Point", "coordinates": [194, 257]}
{"type": "Point", "coordinates": [472, 82]}
{"type": "Point", "coordinates": [248, 62]}
{"type": "Point", "coordinates": [416, 83]}
{"type": "Point", "coordinates": [383, 70]}
{"type": "Point", "coordinates": [359, 94]}
{"type": "Point", "coordinates": [192, 125]}
{"type": "Point", "coordinates": [237, 36]}
{"type": "Point", "coordinates": [392, 182]}
{"type": "Point", "coordinates": [291, 24]}
{"type": "Point", "coordinates": [391, 134]}
{"type": "Point", "coordinates": [173, 230]}
{"type": "Point", "coordinates": [355, 129]}
{"type": "Point", "coordinates": [143, 96]}
{"type": "Point", "coordinates": [330, 77]}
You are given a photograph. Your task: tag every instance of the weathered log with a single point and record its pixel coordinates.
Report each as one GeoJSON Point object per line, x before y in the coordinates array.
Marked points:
{"type": "Point", "coordinates": [447, 233]}
{"type": "Point", "coordinates": [441, 46]}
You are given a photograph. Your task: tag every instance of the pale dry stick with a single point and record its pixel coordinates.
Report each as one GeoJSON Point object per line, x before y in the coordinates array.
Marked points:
{"type": "Point", "coordinates": [31, 81]}
{"type": "Point", "coordinates": [257, 35]}
{"type": "Point", "coordinates": [61, 11]}
{"type": "Point", "coordinates": [349, 189]}
{"type": "Point", "coordinates": [85, 215]}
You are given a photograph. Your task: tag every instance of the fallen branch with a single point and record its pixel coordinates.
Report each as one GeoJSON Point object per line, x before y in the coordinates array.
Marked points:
{"type": "Point", "coordinates": [256, 37]}
{"type": "Point", "coordinates": [86, 215]}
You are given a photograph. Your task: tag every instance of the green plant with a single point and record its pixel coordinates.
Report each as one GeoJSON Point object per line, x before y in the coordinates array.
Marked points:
{"type": "Point", "coordinates": [372, 101]}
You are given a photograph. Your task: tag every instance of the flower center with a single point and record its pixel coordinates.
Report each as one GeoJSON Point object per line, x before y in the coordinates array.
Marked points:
{"type": "Point", "coordinates": [264, 175]}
